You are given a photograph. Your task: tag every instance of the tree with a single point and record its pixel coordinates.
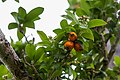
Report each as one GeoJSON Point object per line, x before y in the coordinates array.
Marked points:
{"type": "Point", "coordinates": [78, 51]}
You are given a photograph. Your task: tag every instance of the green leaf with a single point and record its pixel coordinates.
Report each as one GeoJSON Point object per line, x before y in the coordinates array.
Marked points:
{"type": "Point", "coordinates": [70, 71]}
{"type": "Point", "coordinates": [44, 43]}
{"type": "Point", "coordinates": [30, 50]}
{"type": "Point", "coordinates": [80, 12]}
{"type": "Point", "coordinates": [15, 15]}
{"type": "Point", "coordinates": [17, 1]}
{"type": "Point", "coordinates": [67, 17]}
{"type": "Point", "coordinates": [88, 34]}
{"type": "Point", "coordinates": [117, 61]}
{"type": "Point", "coordinates": [29, 24]}
{"type": "Point", "coordinates": [74, 74]}
{"type": "Point", "coordinates": [3, 72]}
{"type": "Point", "coordinates": [70, 2]}
{"type": "Point", "coordinates": [112, 39]}
{"type": "Point", "coordinates": [118, 77]}
{"type": "Point", "coordinates": [63, 24]}
{"type": "Point", "coordinates": [22, 12]}
{"type": "Point", "coordinates": [86, 45]}
{"type": "Point", "coordinates": [85, 6]}
{"type": "Point", "coordinates": [73, 51]}
{"type": "Point", "coordinates": [57, 31]}
{"type": "Point", "coordinates": [111, 73]}
{"type": "Point", "coordinates": [72, 16]}
{"type": "Point", "coordinates": [3, 0]}
{"type": "Point", "coordinates": [34, 13]}
{"type": "Point", "coordinates": [39, 53]}
{"type": "Point", "coordinates": [55, 74]}
{"type": "Point", "coordinates": [12, 25]}
{"type": "Point", "coordinates": [19, 34]}
{"type": "Point", "coordinates": [59, 37]}
{"type": "Point", "coordinates": [43, 36]}
{"type": "Point", "coordinates": [96, 23]}
{"type": "Point", "coordinates": [37, 18]}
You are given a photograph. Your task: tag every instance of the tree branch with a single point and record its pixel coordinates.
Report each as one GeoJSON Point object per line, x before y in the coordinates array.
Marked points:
{"type": "Point", "coordinates": [104, 52]}
{"type": "Point", "coordinates": [10, 59]}
{"type": "Point", "coordinates": [113, 47]}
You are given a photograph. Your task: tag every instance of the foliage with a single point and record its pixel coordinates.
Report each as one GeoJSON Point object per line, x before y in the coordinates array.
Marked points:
{"type": "Point", "coordinates": [94, 21]}
{"type": "Point", "coordinates": [6, 0]}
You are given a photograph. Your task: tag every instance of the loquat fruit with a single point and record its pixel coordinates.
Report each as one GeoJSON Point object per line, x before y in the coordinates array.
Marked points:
{"type": "Point", "coordinates": [72, 36]}
{"type": "Point", "coordinates": [78, 47]}
{"type": "Point", "coordinates": [68, 45]}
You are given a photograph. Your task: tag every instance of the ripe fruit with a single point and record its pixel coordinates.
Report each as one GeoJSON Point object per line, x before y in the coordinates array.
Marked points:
{"type": "Point", "coordinates": [78, 47]}
{"type": "Point", "coordinates": [72, 36]}
{"type": "Point", "coordinates": [69, 45]}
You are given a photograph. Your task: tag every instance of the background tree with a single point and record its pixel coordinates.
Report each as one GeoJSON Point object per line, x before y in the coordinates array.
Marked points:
{"type": "Point", "coordinates": [78, 51]}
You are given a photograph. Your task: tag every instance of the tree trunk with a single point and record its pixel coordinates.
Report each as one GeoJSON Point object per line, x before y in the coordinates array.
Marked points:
{"type": "Point", "coordinates": [10, 59]}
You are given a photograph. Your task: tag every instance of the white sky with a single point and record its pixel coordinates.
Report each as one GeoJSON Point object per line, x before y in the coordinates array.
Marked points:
{"type": "Point", "coordinates": [50, 19]}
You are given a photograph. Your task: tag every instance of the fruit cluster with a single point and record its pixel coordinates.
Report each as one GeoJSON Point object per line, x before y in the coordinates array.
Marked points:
{"type": "Point", "coordinates": [72, 43]}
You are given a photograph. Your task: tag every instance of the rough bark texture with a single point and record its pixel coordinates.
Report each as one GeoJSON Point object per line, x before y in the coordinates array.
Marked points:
{"type": "Point", "coordinates": [10, 59]}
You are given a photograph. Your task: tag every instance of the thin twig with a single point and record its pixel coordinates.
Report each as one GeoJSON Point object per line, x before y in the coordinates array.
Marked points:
{"type": "Point", "coordinates": [32, 66]}
{"type": "Point", "coordinates": [105, 61]}
{"type": "Point", "coordinates": [103, 46]}
{"type": "Point", "coordinates": [25, 37]}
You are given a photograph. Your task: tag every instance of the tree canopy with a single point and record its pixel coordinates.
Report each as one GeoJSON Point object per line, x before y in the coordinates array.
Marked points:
{"type": "Point", "coordinates": [78, 51]}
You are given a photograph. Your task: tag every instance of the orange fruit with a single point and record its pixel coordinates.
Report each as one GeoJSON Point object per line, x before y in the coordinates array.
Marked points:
{"type": "Point", "coordinates": [69, 45]}
{"type": "Point", "coordinates": [72, 36]}
{"type": "Point", "coordinates": [78, 47]}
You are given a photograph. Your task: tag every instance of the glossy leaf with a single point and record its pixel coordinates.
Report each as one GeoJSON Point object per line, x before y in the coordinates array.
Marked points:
{"type": "Point", "coordinates": [64, 24]}
{"type": "Point", "coordinates": [30, 50]}
{"type": "Point", "coordinates": [4, 72]}
{"type": "Point", "coordinates": [42, 35]}
{"type": "Point", "coordinates": [86, 45]}
{"type": "Point", "coordinates": [29, 24]}
{"type": "Point", "coordinates": [19, 34]}
{"type": "Point", "coordinates": [41, 58]}
{"type": "Point", "coordinates": [72, 16]}
{"type": "Point", "coordinates": [85, 6]}
{"type": "Point", "coordinates": [44, 43]}
{"type": "Point", "coordinates": [117, 60]}
{"type": "Point", "coordinates": [80, 12]}
{"type": "Point", "coordinates": [70, 2]}
{"type": "Point", "coordinates": [88, 34]}
{"type": "Point", "coordinates": [56, 73]}
{"type": "Point", "coordinates": [96, 23]}
{"type": "Point", "coordinates": [22, 12]}
{"type": "Point", "coordinates": [74, 74]}
{"type": "Point", "coordinates": [59, 37]}
{"type": "Point", "coordinates": [3, 0]}
{"type": "Point", "coordinates": [57, 31]}
{"type": "Point", "coordinates": [12, 25]}
{"type": "Point", "coordinates": [67, 17]}
{"type": "Point", "coordinates": [39, 53]}
{"type": "Point", "coordinates": [37, 18]}
{"type": "Point", "coordinates": [17, 1]}
{"type": "Point", "coordinates": [3, 69]}
{"type": "Point", "coordinates": [15, 15]}
{"type": "Point", "coordinates": [34, 13]}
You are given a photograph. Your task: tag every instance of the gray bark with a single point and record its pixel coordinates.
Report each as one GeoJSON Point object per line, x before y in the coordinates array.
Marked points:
{"type": "Point", "coordinates": [10, 59]}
